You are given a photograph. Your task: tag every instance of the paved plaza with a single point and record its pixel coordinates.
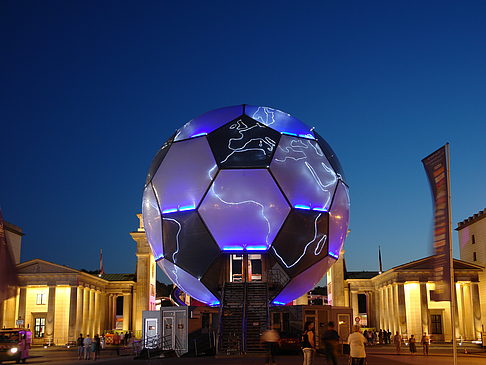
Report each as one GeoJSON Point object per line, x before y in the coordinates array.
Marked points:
{"type": "Point", "coordinates": [380, 355]}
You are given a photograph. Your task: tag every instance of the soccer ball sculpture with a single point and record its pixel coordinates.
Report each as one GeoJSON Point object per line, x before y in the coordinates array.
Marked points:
{"type": "Point", "coordinates": [245, 180]}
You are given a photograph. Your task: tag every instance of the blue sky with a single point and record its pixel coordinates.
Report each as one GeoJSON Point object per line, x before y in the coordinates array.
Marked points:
{"type": "Point", "coordinates": [91, 89]}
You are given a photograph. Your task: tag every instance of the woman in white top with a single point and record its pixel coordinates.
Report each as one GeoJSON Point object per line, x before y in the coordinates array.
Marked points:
{"type": "Point", "coordinates": [356, 343]}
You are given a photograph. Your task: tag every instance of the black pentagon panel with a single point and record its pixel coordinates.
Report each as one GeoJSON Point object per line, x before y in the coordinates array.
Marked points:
{"type": "Point", "coordinates": [331, 155]}
{"type": "Point", "coordinates": [277, 278]}
{"type": "Point", "coordinates": [187, 242]}
{"type": "Point", "coordinates": [243, 143]}
{"type": "Point", "coordinates": [216, 275]}
{"type": "Point", "coordinates": [157, 160]}
{"type": "Point", "coordinates": [302, 241]}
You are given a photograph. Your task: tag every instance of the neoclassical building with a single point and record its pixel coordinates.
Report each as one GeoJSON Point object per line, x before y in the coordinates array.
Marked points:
{"type": "Point", "coordinates": [399, 299]}
{"type": "Point", "coordinates": [472, 242]}
{"type": "Point", "coordinates": [58, 302]}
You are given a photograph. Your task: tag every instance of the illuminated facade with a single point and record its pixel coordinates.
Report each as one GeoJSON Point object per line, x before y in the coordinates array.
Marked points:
{"type": "Point", "coordinates": [472, 243]}
{"type": "Point", "coordinates": [399, 299]}
{"type": "Point", "coordinates": [241, 194]}
{"type": "Point", "coordinates": [57, 302]}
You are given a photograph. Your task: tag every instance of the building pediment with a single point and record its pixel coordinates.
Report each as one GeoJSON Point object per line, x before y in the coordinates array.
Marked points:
{"type": "Point", "coordinates": [427, 264]}
{"type": "Point", "coordinates": [40, 266]}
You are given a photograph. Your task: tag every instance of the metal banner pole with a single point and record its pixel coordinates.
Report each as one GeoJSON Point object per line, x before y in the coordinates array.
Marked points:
{"type": "Point", "coordinates": [451, 262]}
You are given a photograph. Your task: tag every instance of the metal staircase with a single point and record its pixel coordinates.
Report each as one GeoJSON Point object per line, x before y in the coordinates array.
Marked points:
{"type": "Point", "coordinates": [256, 315]}
{"type": "Point", "coordinates": [231, 318]}
{"type": "Point", "coordinates": [244, 316]}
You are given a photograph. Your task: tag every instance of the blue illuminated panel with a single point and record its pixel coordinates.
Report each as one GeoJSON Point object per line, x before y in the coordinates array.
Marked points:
{"type": "Point", "coordinates": [184, 175]}
{"type": "Point", "coordinates": [303, 282]}
{"type": "Point", "coordinates": [244, 209]}
{"type": "Point", "coordinates": [152, 222]}
{"type": "Point", "coordinates": [338, 220]}
{"type": "Point", "coordinates": [279, 120]}
{"type": "Point", "coordinates": [187, 283]}
{"type": "Point", "coordinates": [208, 122]}
{"type": "Point", "coordinates": [304, 173]}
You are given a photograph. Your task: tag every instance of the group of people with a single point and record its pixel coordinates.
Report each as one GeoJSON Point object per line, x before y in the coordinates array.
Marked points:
{"type": "Point", "coordinates": [412, 343]}
{"type": "Point", "coordinates": [87, 346]}
{"type": "Point", "coordinates": [356, 342]}
{"type": "Point", "coordinates": [383, 337]}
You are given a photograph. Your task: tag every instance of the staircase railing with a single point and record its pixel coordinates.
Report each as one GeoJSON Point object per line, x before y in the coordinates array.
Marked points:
{"type": "Point", "coordinates": [243, 324]}
{"type": "Point", "coordinates": [220, 324]}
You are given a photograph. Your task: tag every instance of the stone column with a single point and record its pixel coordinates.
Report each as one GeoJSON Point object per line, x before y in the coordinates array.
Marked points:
{"type": "Point", "coordinates": [91, 313]}
{"type": "Point", "coordinates": [22, 303]}
{"type": "Point", "coordinates": [476, 309]}
{"type": "Point", "coordinates": [391, 312]}
{"type": "Point", "coordinates": [110, 314]}
{"type": "Point", "coordinates": [73, 306]}
{"type": "Point", "coordinates": [468, 319]}
{"type": "Point", "coordinates": [51, 307]}
{"type": "Point", "coordinates": [424, 308]}
{"type": "Point", "coordinates": [402, 313]}
{"type": "Point", "coordinates": [97, 313]}
{"type": "Point", "coordinates": [354, 304]}
{"type": "Point", "coordinates": [395, 308]}
{"type": "Point", "coordinates": [103, 316]}
{"type": "Point", "coordinates": [127, 311]}
{"type": "Point", "coordinates": [86, 311]}
{"type": "Point", "coordinates": [79, 310]}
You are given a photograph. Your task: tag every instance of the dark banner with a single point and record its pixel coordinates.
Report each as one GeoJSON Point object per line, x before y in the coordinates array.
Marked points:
{"type": "Point", "coordinates": [8, 270]}
{"type": "Point", "coordinates": [436, 167]}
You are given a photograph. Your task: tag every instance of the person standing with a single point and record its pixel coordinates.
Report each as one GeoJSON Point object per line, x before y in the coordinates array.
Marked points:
{"type": "Point", "coordinates": [87, 347]}
{"type": "Point", "coordinates": [80, 344]}
{"type": "Point", "coordinates": [357, 343]}
{"type": "Point", "coordinates": [96, 347]}
{"type": "Point", "coordinates": [397, 341]}
{"type": "Point", "coordinates": [308, 343]}
{"type": "Point", "coordinates": [330, 338]}
{"type": "Point", "coordinates": [412, 345]}
{"type": "Point", "coordinates": [425, 343]}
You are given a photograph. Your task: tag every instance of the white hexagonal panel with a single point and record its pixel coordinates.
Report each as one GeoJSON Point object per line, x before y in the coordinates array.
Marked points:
{"type": "Point", "coordinates": [208, 122]}
{"type": "Point", "coordinates": [187, 283]}
{"type": "Point", "coordinates": [184, 175]}
{"type": "Point", "coordinates": [152, 221]}
{"type": "Point", "coordinates": [244, 209]}
{"type": "Point", "coordinates": [338, 220]}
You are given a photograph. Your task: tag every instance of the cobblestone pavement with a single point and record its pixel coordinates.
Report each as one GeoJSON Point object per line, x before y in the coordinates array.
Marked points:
{"type": "Point", "coordinates": [376, 356]}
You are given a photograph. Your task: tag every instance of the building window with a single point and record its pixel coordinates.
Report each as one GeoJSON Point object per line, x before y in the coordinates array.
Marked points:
{"type": "Point", "coordinates": [39, 327]}
{"type": "Point", "coordinates": [436, 324]}
{"type": "Point", "coordinates": [474, 256]}
{"type": "Point", "coordinates": [473, 239]}
{"type": "Point", "coordinates": [40, 299]}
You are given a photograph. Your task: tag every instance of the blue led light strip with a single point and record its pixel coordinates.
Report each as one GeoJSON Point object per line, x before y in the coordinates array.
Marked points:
{"type": "Point", "coordinates": [180, 209]}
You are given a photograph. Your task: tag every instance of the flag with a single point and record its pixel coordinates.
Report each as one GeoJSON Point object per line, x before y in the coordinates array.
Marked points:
{"type": "Point", "coordinates": [379, 259]}
{"type": "Point", "coordinates": [8, 271]}
{"type": "Point", "coordinates": [102, 271]}
{"type": "Point", "coordinates": [437, 169]}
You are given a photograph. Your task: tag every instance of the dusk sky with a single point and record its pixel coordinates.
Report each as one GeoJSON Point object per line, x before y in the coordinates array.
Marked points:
{"type": "Point", "coordinates": [91, 89]}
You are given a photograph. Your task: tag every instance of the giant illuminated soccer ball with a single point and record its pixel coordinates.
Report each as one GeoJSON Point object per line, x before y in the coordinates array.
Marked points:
{"type": "Point", "coordinates": [244, 180]}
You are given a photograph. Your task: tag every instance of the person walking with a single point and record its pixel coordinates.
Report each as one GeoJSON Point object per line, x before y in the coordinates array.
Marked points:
{"type": "Point", "coordinates": [397, 341]}
{"type": "Point", "coordinates": [270, 339]}
{"type": "Point", "coordinates": [411, 344]}
{"type": "Point", "coordinates": [79, 343]}
{"type": "Point", "coordinates": [330, 339]}
{"type": "Point", "coordinates": [308, 343]}
{"type": "Point", "coordinates": [425, 341]}
{"type": "Point", "coordinates": [87, 347]}
{"type": "Point", "coordinates": [356, 343]}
